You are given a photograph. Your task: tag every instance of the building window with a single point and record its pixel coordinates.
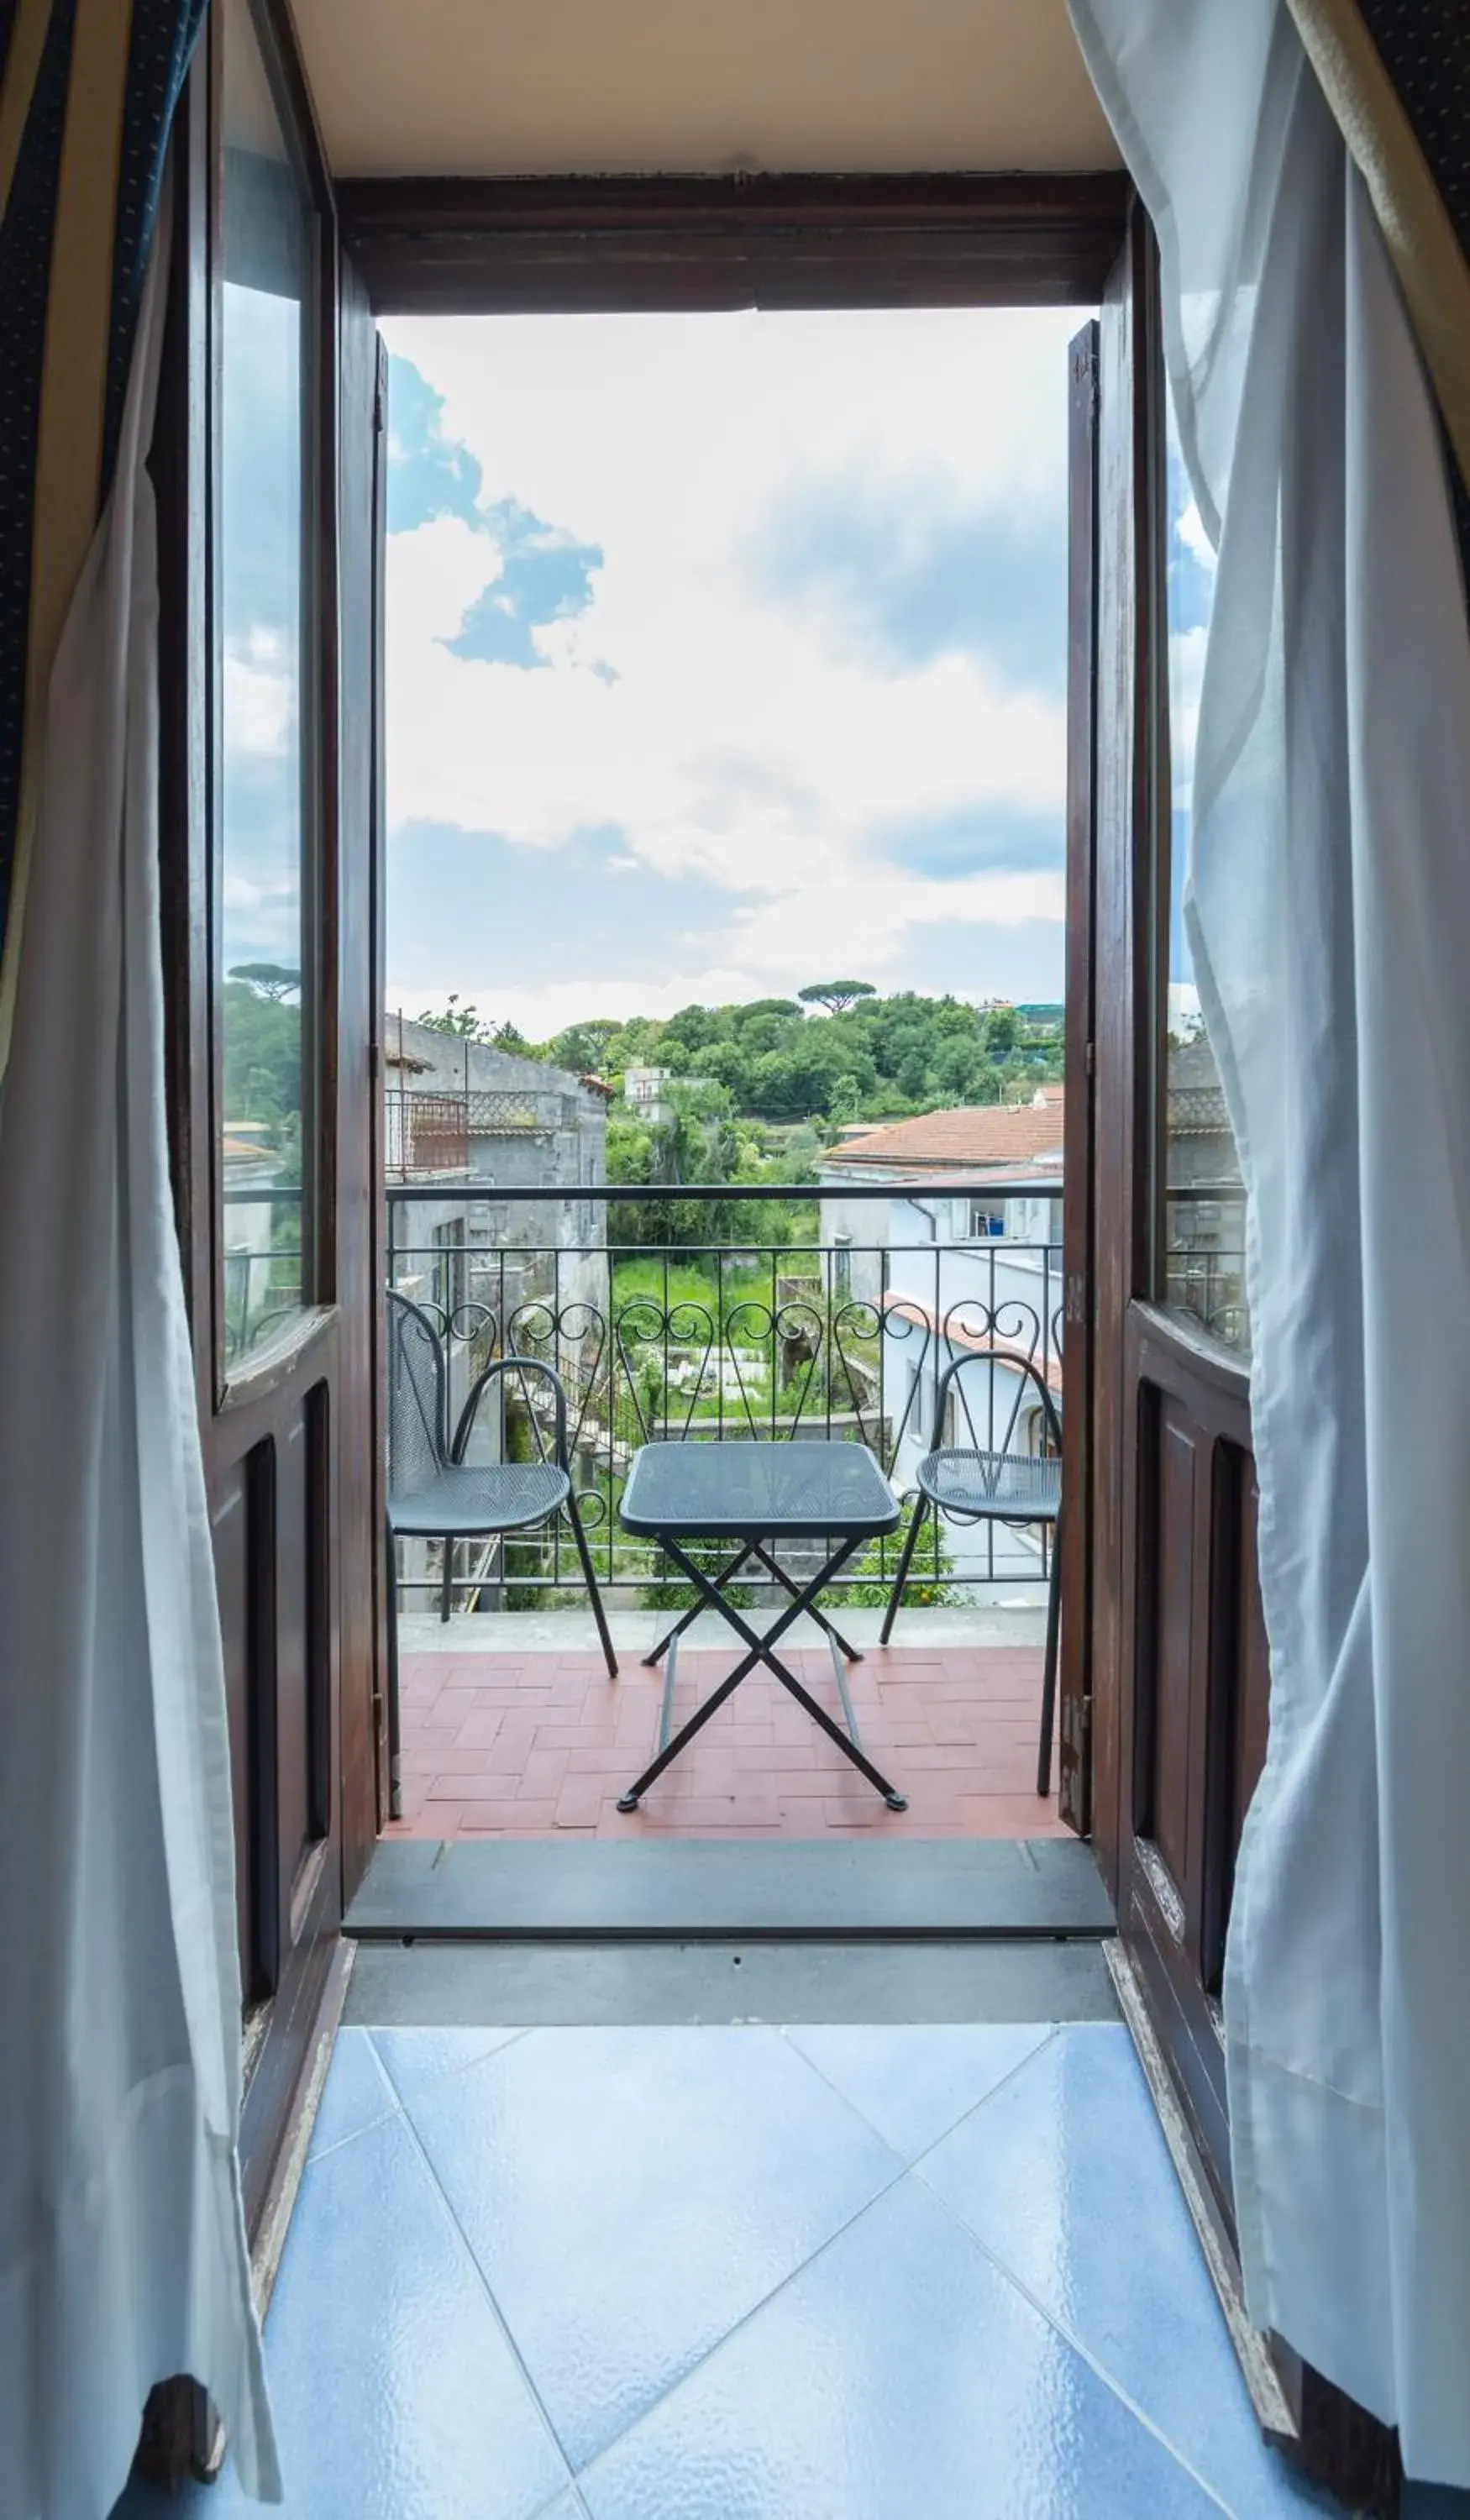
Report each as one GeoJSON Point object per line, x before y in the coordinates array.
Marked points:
{"type": "Point", "coordinates": [984, 1221]}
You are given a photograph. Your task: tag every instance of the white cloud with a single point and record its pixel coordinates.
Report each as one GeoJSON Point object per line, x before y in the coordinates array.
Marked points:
{"type": "Point", "coordinates": [541, 1012]}
{"type": "Point", "coordinates": [736, 743]}
{"type": "Point", "coordinates": [1186, 680]}
{"type": "Point", "coordinates": [260, 700]}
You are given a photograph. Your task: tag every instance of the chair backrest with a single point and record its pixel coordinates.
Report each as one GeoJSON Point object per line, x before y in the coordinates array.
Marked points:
{"type": "Point", "coordinates": [418, 1436]}
{"type": "Point", "coordinates": [994, 1428]}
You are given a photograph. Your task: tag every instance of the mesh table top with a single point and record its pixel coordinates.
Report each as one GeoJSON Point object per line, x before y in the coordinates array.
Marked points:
{"type": "Point", "coordinates": [721, 1491]}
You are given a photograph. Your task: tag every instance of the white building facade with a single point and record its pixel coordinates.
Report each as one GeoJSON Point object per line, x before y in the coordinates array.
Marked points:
{"type": "Point", "coordinates": [962, 1258]}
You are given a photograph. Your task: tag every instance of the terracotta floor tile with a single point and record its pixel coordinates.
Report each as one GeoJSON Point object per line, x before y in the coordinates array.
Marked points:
{"type": "Point", "coordinates": [538, 1745]}
{"type": "Point", "coordinates": [579, 1805]}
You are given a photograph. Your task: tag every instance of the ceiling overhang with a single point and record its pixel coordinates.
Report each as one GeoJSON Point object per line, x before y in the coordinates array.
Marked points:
{"type": "Point", "coordinates": [699, 87]}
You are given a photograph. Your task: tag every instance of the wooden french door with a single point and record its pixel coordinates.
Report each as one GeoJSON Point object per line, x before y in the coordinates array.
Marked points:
{"type": "Point", "coordinates": [271, 811]}
{"type": "Point", "coordinates": [1179, 1675]}
{"type": "Point", "coordinates": [1178, 1647]}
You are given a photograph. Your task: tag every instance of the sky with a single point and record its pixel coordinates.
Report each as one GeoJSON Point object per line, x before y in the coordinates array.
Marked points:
{"type": "Point", "coordinates": [725, 653]}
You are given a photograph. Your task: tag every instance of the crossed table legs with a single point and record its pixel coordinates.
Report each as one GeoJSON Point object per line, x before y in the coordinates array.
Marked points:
{"type": "Point", "coordinates": [760, 1650]}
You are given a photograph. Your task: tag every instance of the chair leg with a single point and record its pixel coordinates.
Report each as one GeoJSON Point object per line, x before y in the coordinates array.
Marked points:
{"type": "Point", "coordinates": [574, 1517]}
{"type": "Point", "coordinates": [446, 1596]}
{"type": "Point", "coordinates": [902, 1576]}
{"type": "Point", "coordinates": [1049, 1678]}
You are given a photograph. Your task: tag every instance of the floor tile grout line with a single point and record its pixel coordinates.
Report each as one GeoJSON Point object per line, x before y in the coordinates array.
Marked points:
{"type": "Point", "coordinates": [451, 2072]}
{"type": "Point", "coordinates": [901, 2172]}
{"type": "Point", "coordinates": [1055, 2030]}
{"type": "Point", "coordinates": [1084, 2353]}
{"type": "Point", "coordinates": [324, 2151]}
{"type": "Point", "coordinates": [745, 2318]}
{"type": "Point", "coordinates": [1049, 2029]}
{"type": "Point", "coordinates": [910, 2171]}
{"type": "Point", "coordinates": [905, 2170]}
{"type": "Point", "coordinates": [483, 2280]}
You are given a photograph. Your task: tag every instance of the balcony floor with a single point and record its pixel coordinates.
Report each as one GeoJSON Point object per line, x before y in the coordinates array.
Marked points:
{"type": "Point", "coordinates": [538, 1742]}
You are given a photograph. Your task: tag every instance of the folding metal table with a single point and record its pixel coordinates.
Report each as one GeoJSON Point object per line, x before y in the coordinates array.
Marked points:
{"type": "Point", "coordinates": [753, 1496]}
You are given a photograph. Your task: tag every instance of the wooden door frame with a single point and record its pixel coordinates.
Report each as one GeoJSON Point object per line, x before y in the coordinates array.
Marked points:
{"type": "Point", "coordinates": [609, 245]}
{"type": "Point", "coordinates": [617, 245]}
{"type": "Point", "coordinates": [279, 2070]}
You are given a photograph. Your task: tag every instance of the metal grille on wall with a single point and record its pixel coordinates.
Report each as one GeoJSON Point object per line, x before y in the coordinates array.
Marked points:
{"type": "Point", "coordinates": [430, 1133]}
{"type": "Point", "coordinates": [424, 1133]}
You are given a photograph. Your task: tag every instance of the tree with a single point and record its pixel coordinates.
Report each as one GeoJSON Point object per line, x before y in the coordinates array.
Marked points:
{"type": "Point", "coordinates": [464, 1023]}
{"type": "Point", "coordinates": [766, 1006]}
{"type": "Point", "coordinates": [845, 1102]}
{"type": "Point", "coordinates": [728, 1066]}
{"type": "Point", "coordinates": [790, 1086]}
{"type": "Point", "coordinates": [693, 1027]}
{"type": "Point", "coordinates": [961, 1069]}
{"type": "Point", "coordinates": [582, 1047]}
{"type": "Point", "coordinates": [1000, 1032]}
{"type": "Point", "coordinates": [836, 995]}
{"type": "Point", "coordinates": [262, 1046]}
{"type": "Point", "coordinates": [269, 979]}
{"type": "Point", "coordinates": [913, 1077]}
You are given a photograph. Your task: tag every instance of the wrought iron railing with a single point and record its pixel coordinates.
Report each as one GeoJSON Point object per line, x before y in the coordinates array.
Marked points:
{"type": "Point", "coordinates": [726, 1342]}
{"type": "Point", "coordinates": [1204, 1258]}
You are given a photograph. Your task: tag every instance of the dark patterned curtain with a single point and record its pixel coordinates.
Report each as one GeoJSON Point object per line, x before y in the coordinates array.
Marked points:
{"type": "Point", "coordinates": [87, 96]}
{"type": "Point", "coordinates": [1397, 75]}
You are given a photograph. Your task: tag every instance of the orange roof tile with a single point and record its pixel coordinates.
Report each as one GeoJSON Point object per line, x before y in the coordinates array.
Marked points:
{"type": "Point", "coordinates": [977, 1133]}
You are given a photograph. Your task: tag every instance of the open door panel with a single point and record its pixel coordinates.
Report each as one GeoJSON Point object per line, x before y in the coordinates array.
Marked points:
{"type": "Point", "coordinates": [1178, 1658]}
{"type": "Point", "coordinates": [267, 468]}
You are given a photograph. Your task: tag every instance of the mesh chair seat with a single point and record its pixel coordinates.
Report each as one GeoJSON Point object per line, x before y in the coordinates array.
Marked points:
{"type": "Point", "coordinates": [472, 1498]}
{"type": "Point", "coordinates": [1001, 1487]}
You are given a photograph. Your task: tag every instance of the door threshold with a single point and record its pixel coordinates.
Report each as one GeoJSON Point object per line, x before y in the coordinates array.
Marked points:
{"type": "Point", "coordinates": [911, 1889]}
{"type": "Point", "coordinates": [566, 1985]}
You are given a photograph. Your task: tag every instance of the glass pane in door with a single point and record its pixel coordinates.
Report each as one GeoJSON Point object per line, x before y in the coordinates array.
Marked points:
{"type": "Point", "coordinates": [263, 922]}
{"type": "Point", "coordinates": [1204, 1206]}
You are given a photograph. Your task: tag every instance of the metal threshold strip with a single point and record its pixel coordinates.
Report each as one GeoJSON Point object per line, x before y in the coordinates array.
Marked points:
{"type": "Point", "coordinates": [944, 1889]}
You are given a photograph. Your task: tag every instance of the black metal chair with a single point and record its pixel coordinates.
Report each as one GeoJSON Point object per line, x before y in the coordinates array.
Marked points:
{"type": "Point", "coordinates": [990, 1482]}
{"type": "Point", "coordinates": [435, 1494]}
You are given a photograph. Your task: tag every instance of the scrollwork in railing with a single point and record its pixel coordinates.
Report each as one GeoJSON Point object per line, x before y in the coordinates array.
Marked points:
{"type": "Point", "coordinates": [788, 1342]}
{"type": "Point", "coordinates": [643, 1331]}
{"type": "Point", "coordinates": [799, 1341]}
{"type": "Point", "coordinates": [856, 1323]}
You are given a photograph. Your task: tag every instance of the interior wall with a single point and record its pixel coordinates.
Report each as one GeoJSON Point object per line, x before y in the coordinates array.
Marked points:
{"type": "Point", "coordinates": [580, 87]}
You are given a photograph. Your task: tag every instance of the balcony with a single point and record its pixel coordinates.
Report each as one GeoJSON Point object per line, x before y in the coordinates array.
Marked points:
{"type": "Point", "coordinates": [509, 1725]}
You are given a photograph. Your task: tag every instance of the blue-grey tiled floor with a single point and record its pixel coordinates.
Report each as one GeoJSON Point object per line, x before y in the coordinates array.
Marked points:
{"type": "Point", "coordinates": [749, 2273]}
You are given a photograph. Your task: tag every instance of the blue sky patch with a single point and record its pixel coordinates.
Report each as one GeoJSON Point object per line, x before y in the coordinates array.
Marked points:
{"type": "Point", "coordinates": [980, 838]}
{"type": "Point", "coordinates": [583, 904]}
{"type": "Point", "coordinates": [545, 576]}
{"type": "Point", "coordinates": [904, 568]}
{"type": "Point", "coordinates": [429, 475]}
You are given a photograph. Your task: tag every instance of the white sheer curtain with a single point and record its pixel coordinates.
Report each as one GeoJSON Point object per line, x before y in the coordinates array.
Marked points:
{"type": "Point", "coordinates": [1329, 918]}
{"type": "Point", "coordinates": [123, 2248]}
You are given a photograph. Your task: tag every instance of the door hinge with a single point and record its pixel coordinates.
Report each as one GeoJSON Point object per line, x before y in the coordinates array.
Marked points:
{"type": "Point", "coordinates": [1091, 1057]}
{"type": "Point", "coordinates": [374, 1061]}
